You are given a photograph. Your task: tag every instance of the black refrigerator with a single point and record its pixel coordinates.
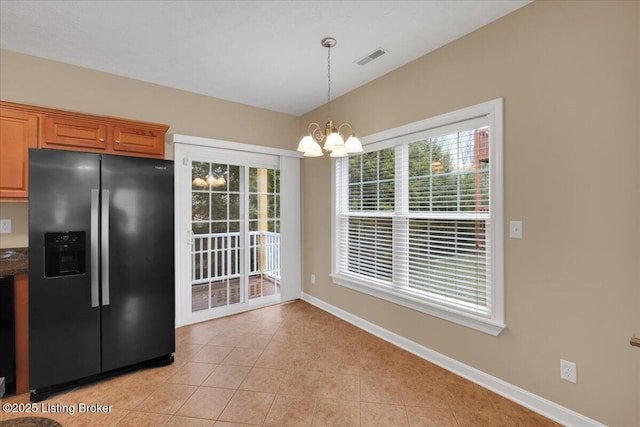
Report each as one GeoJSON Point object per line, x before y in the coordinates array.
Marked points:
{"type": "Point", "coordinates": [101, 266]}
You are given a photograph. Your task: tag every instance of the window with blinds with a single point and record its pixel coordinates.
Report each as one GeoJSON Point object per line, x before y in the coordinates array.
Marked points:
{"type": "Point", "coordinates": [370, 232]}
{"type": "Point", "coordinates": [418, 217]}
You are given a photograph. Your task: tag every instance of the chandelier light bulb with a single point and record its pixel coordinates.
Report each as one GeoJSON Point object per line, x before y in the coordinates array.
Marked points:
{"type": "Point", "coordinates": [339, 152]}
{"type": "Point", "coordinates": [334, 141]}
{"type": "Point", "coordinates": [199, 182]}
{"type": "Point", "coordinates": [353, 145]}
{"type": "Point", "coordinates": [316, 152]}
{"type": "Point", "coordinates": [307, 144]}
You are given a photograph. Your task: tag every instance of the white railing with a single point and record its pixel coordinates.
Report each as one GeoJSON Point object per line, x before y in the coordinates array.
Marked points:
{"type": "Point", "coordinates": [270, 243]}
{"type": "Point", "coordinates": [216, 256]}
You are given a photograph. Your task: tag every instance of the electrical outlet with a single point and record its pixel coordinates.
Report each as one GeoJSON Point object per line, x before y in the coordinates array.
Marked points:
{"type": "Point", "coordinates": [313, 279]}
{"type": "Point", "coordinates": [568, 371]}
{"type": "Point", "coordinates": [5, 226]}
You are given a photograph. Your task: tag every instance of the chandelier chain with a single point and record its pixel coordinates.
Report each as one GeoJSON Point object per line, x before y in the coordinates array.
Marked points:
{"type": "Point", "coordinates": [329, 82]}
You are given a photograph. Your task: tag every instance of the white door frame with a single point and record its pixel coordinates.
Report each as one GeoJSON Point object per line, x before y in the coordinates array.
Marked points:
{"type": "Point", "coordinates": [187, 148]}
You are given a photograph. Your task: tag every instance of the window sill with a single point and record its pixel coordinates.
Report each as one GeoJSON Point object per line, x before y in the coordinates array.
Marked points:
{"type": "Point", "coordinates": [397, 296]}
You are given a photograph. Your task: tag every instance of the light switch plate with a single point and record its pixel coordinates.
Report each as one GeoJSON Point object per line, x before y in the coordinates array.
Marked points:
{"type": "Point", "coordinates": [515, 229]}
{"type": "Point", "coordinates": [5, 226]}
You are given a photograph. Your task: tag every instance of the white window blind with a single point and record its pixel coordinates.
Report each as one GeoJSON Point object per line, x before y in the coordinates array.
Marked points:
{"type": "Point", "coordinates": [416, 219]}
{"type": "Point", "coordinates": [370, 233]}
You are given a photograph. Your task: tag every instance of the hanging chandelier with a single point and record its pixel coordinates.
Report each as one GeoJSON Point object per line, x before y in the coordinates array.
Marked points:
{"type": "Point", "coordinates": [334, 140]}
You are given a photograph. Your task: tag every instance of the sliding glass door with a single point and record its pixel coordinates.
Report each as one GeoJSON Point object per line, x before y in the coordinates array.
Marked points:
{"type": "Point", "coordinates": [216, 250]}
{"type": "Point", "coordinates": [233, 239]}
{"type": "Point", "coordinates": [264, 232]}
{"type": "Point", "coordinates": [230, 226]}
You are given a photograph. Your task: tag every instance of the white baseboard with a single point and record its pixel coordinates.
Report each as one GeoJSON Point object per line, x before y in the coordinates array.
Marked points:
{"type": "Point", "coordinates": [529, 400]}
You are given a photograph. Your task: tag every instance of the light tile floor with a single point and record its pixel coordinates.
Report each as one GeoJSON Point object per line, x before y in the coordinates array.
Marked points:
{"type": "Point", "coordinates": [287, 365]}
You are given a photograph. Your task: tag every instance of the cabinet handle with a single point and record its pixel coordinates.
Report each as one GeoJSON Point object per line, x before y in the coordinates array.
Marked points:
{"type": "Point", "coordinates": [117, 141]}
{"type": "Point", "coordinates": [101, 139]}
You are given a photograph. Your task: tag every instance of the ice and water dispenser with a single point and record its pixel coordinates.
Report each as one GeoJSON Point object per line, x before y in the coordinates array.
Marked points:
{"type": "Point", "coordinates": [64, 253]}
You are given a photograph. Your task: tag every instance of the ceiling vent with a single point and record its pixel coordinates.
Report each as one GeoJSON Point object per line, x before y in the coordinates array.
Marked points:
{"type": "Point", "coordinates": [370, 57]}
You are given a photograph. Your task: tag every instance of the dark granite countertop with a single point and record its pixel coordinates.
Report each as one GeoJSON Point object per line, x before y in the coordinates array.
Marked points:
{"type": "Point", "coordinates": [14, 261]}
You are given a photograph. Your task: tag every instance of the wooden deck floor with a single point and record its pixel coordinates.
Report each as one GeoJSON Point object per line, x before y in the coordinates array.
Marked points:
{"type": "Point", "coordinates": [258, 286]}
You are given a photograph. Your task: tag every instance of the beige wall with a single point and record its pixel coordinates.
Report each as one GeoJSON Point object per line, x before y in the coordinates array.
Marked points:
{"type": "Point", "coordinates": [30, 80]}
{"type": "Point", "coordinates": [18, 213]}
{"type": "Point", "coordinates": [36, 81]}
{"type": "Point", "coordinates": [569, 74]}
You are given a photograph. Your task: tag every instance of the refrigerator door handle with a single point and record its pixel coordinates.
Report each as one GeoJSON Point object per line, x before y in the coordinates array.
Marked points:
{"type": "Point", "coordinates": [105, 247]}
{"type": "Point", "coordinates": [95, 202]}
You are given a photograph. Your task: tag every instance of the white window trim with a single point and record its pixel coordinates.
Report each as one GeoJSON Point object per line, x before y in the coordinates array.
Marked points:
{"type": "Point", "coordinates": [491, 112]}
{"type": "Point", "coordinates": [234, 146]}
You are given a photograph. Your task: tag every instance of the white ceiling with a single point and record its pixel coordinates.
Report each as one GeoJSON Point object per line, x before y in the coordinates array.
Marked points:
{"type": "Point", "coordinates": [261, 53]}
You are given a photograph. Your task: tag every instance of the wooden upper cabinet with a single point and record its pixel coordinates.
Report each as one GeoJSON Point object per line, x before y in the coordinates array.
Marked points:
{"type": "Point", "coordinates": [18, 133]}
{"type": "Point", "coordinates": [25, 126]}
{"type": "Point", "coordinates": [64, 130]}
{"type": "Point", "coordinates": [74, 134]}
{"type": "Point", "coordinates": [81, 134]}
{"type": "Point", "coordinates": [103, 136]}
{"type": "Point", "coordinates": [128, 139]}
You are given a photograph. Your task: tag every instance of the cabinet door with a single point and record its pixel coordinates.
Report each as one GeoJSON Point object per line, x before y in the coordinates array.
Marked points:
{"type": "Point", "coordinates": [18, 133]}
{"type": "Point", "coordinates": [74, 134]}
{"type": "Point", "coordinates": [132, 140]}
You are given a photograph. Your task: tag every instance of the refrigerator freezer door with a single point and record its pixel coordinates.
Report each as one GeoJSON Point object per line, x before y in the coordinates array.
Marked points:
{"type": "Point", "coordinates": [138, 323]}
{"type": "Point", "coordinates": [64, 328]}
